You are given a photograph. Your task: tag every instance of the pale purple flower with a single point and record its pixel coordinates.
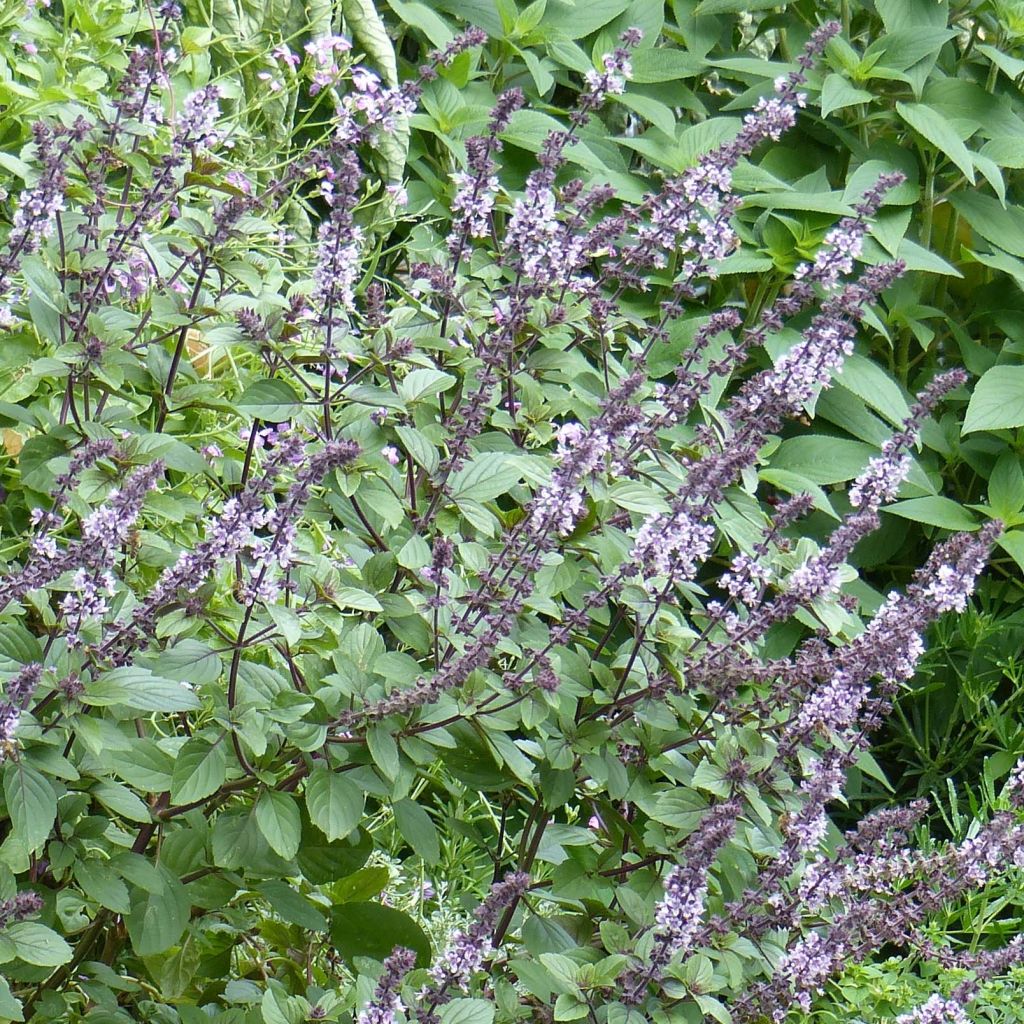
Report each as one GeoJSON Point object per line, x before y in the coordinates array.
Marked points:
{"type": "Point", "coordinates": [935, 1010]}
{"type": "Point", "coordinates": [466, 950]}
{"type": "Point", "coordinates": [386, 1002]}
{"type": "Point", "coordinates": [671, 545]}
{"type": "Point", "coordinates": [19, 906]}
{"type": "Point", "coordinates": [196, 124]}
{"type": "Point", "coordinates": [474, 201]}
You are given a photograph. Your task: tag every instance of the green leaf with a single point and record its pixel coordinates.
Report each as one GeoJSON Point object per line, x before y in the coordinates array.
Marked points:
{"type": "Point", "coordinates": [138, 688]}
{"type": "Point", "coordinates": [178, 970]}
{"type": "Point", "coordinates": [418, 829]}
{"type": "Point", "coordinates": [361, 885]}
{"type": "Point", "coordinates": [998, 400]}
{"type": "Point", "coordinates": [662, 64]}
{"type": "Point", "coordinates": [1012, 67]}
{"type": "Point", "coordinates": [146, 766]}
{"type": "Point", "coordinates": [868, 381]}
{"type": "Point", "coordinates": [18, 647]}
{"type": "Point", "coordinates": [423, 382]}
{"type": "Point", "coordinates": [292, 906]}
{"type": "Point", "coordinates": [733, 6]}
{"type": "Point", "coordinates": [837, 92]}
{"type": "Point", "coordinates": [353, 597]}
{"type": "Point", "coordinates": [369, 929]}
{"type": "Point", "coordinates": [898, 15]}
{"type": "Point", "coordinates": [277, 815]}
{"type": "Point", "coordinates": [1006, 486]}
{"type": "Point", "coordinates": [384, 750]}
{"type": "Point", "coordinates": [322, 861]}
{"type": "Point", "coordinates": [272, 400]}
{"type": "Point", "coordinates": [823, 460]}
{"type": "Point", "coordinates": [936, 129]}
{"type": "Point", "coordinates": [1006, 151]}
{"type": "Point", "coordinates": [99, 883]}
{"type": "Point", "coordinates": [37, 944]}
{"type": "Point", "coordinates": [1012, 542]}
{"type": "Point", "coordinates": [199, 770]}
{"type": "Point", "coordinates": [417, 445]}
{"type": "Point", "coordinates": [335, 804]}
{"type": "Point", "coordinates": [1002, 227]}
{"type": "Point", "coordinates": [422, 17]}
{"type": "Point", "coordinates": [189, 661]}
{"type": "Point", "coordinates": [158, 916]}
{"type": "Point", "coordinates": [372, 37]}
{"type": "Point", "coordinates": [121, 801]}
{"type": "Point", "coordinates": [637, 497]}
{"type": "Point", "coordinates": [10, 1007]}
{"type": "Point", "coordinates": [576, 20]}
{"type": "Point", "coordinates": [487, 476]}
{"type": "Point", "coordinates": [237, 843]}
{"type": "Point", "coordinates": [31, 803]}
{"type": "Point", "coordinates": [934, 510]}
{"type": "Point", "coordinates": [467, 1011]}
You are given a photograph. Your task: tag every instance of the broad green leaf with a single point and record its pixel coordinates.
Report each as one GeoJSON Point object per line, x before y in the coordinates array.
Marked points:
{"type": "Point", "coordinates": [936, 129]}
{"type": "Point", "coordinates": [423, 382]}
{"type": "Point", "coordinates": [868, 381]}
{"type": "Point", "coordinates": [1006, 486]}
{"type": "Point", "coordinates": [277, 815]}
{"type": "Point", "coordinates": [823, 460]}
{"type": "Point", "coordinates": [335, 803]}
{"type": "Point", "coordinates": [707, 7]}
{"type": "Point", "coordinates": [10, 1008]}
{"type": "Point", "coordinates": [383, 750]}
{"type": "Point", "coordinates": [418, 829]}
{"type": "Point", "coordinates": [1006, 151]}
{"type": "Point", "coordinates": [322, 861]}
{"type": "Point", "coordinates": [934, 510]}
{"type": "Point", "coordinates": [292, 906]}
{"type": "Point", "coordinates": [637, 497]}
{"type": "Point", "coordinates": [361, 885]}
{"type": "Point", "coordinates": [138, 688]}
{"type": "Point", "coordinates": [199, 770]}
{"type": "Point", "coordinates": [1011, 66]}
{"type": "Point", "coordinates": [272, 400]}
{"type": "Point", "coordinates": [146, 766]}
{"type": "Point", "coordinates": [99, 883]}
{"type": "Point", "coordinates": [238, 843]}
{"type": "Point", "coordinates": [421, 16]}
{"type": "Point", "coordinates": [1002, 227]}
{"type": "Point", "coordinates": [467, 1011]}
{"type": "Point", "coordinates": [121, 801]}
{"type": "Point", "coordinates": [37, 944]}
{"type": "Point", "coordinates": [369, 929]}
{"type": "Point", "coordinates": [658, 64]}
{"type": "Point", "coordinates": [998, 400]}
{"type": "Point", "coordinates": [353, 597]}
{"type": "Point", "coordinates": [837, 92]}
{"type": "Point", "coordinates": [18, 647]}
{"type": "Point", "coordinates": [487, 476]}
{"type": "Point", "coordinates": [575, 20]}
{"type": "Point", "coordinates": [417, 445]}
{"type": "Point", "coordinates": [189, 661]}
{"type": "Point", "coordinates": [178, 970]}
{"type": "Point", "coordinates": [158, 917]}
{"type": "Point", "coordinates": [31, 803]}
{"type": "Point", "coordinates": [1012, 542]}
{"type": "Point", "coordinates": [899, 15]}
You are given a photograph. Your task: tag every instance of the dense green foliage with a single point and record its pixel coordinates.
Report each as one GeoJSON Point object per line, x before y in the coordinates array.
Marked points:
{"type": "Point", "coordinates": [211, 839]}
